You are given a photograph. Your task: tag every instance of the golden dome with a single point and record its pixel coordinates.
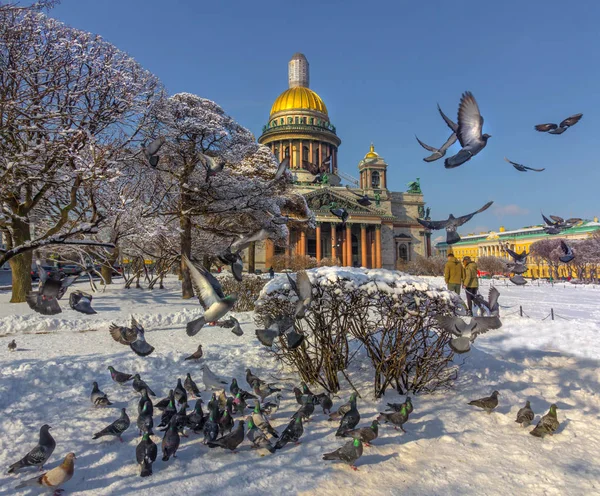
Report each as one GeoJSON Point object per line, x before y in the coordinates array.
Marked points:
{"type": "Point", "coordinates": [299, 98]}
{"type": "Point", "coordinates": [372, 153]}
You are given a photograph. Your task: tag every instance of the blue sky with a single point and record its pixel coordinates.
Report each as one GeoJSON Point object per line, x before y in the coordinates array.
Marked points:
{"type": "Point", "coordinates": [381, 67]}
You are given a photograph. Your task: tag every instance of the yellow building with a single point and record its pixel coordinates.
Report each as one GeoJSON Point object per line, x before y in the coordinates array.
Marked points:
{"type": "Point", "coordinates": [490, 244]}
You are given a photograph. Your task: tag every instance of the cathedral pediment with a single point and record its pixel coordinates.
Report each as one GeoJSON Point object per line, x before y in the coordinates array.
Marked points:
{"type": "Point", "coordinates": [323, 198]}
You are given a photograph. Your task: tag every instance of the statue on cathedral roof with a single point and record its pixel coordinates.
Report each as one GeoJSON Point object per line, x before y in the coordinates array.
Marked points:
{"type": "Point", "coordinates": [415, 187]}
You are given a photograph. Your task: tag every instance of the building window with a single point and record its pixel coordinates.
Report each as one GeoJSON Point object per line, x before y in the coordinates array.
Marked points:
{"type": "Point", "coordinates": [281, 121]}
{"type": "Point", "coordinates": [286, 152]}
{"type": "Point", "coordinates": [315, 158]}
{"type": "Point", "coordinates": [290, 120]}
{"type": "Point", "coordinates": [276, 152]}
{"type": "Point", "coordinates": [297, 120]}
{"type": "Point", "coordinates": [375, 179]}
{"type": "Point", "coordinates": [403, 252]}
{"type": "Point", "coordinates": [312, 120]}
{"type": "Point", "coordinates": [305, 153]}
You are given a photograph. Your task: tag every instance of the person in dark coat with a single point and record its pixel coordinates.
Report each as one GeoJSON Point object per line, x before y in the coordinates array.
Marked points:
{"type": "Point", "coordinates": [271, 272]}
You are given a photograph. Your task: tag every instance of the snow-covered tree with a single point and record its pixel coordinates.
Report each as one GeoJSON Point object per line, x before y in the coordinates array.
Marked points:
{"type": "Point", "coordinates": [212, 210]}
{"type": "Point", "coordinates": [69, 104]}
{"type": "Point", "coordinates": [492, 265]}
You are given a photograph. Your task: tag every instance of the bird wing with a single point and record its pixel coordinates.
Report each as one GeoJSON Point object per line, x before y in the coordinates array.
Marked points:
{"type": "Point", "coordinates": [534, 170]}
{"type": "Point", "coordinates": [484, 324]}
{"type": "Point", "coordinates": [304, 286]}
{"type": "Point", "coordinates": [434, 225]}
{"type": "Point", "coordinates": [519, 167]}
{"type": "Point", "coordinates": [470, 122]}
{"type": "Point", "coordinates": [64, 285]}
{"type": "Point", "coordinates": [451, 124]}
{"type": "Point", "coordinates": [155, 145]}
{"type": "Point", "coordinates": [427, 147]}
{"type": "Point", "coordinates": [203, 287]}
{"type": "Point", "coordinates": [493, 296]}
{"type": "Point", "coordinates": [515, 256]}
{"type": "Point", "coordinates": [456, 160]}
{"type": "Point", "coordinates": [466, 218]}
{"type": "Point", "coordinates": [452, 324]}
{"type": "Point", "coordinates": [543, 128]}
{"type": "Point", "coordinates": [283, 166]}
{"type": "Point", "coordinates": [571, 121]}
{"type": "Point", "coordinates": [140, 346]}
{"type": "Point", "coordinates": [574, 220]}
{"type": "Point", "coordinates": [565, 248]}
{"type": "Point", "coordinates": [547, 221]}
{"type": "Point", "coordinates": [558, 219]}
{"type": "Point", "coordinates": [244, 242]}
{"type": "Point", "coordinates": [41, 272]}
{"type": "Point", "coordinates": [449, 142]}
{"type": "Point", "coordinates": [236, 268]}
{"type": "Point", "coordinates": [292, 283]}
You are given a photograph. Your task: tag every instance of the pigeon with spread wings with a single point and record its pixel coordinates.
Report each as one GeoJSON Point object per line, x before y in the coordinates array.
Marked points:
{"type": "Point", "coordinates": [466, 333]}
{"type": "Point", "coordinates": [523, 168]}
{"type": "Point", "coordinates": [363, 200]}
{"type": "Point", "coordinates": [52, 288]}
{"type": "Point", "coordinates": [452, 223]}
{"type": "Point", "coordinates": [552, 128]}
{"type": "Point", "coordinates": [151, 151]}
{"type": "Point", "coordinates": [438, 153]}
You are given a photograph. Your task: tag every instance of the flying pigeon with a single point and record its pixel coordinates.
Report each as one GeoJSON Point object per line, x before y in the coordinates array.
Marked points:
{"type": "Point", "coordinates": [244, 241]}
{"type": "Point", "coordinates": [568, 252]}
{"type": "Point", "coordinates": [213, 165]}
{"type": "Point", "coordinates": [291, 433]}
{"type": "Point", "coordinates": [489, 307]}
{"type": "Point", "coordinates": [488, 403]}
{"type": "Point", "coordinates": [12, 346]}
{"type": "Point", "coordinates": [134, 337]}
{"type": "Point", "coordinates": [303, 289]}
{"type": "Point", "coordinates": [120, 378]}
{"type": "Point", "coordinates": [257, 438]}
{"type": "Point", "coordinates": [232, 440]}
{"type": "Point", "coordinates": [470, 124]}
{"type": "Point", "coordinates": [349, 453]}
{"type": "Point", "coordinates": [211, 381]}
{"type": "Point", "coordinates": [197, 355]}
{"type": "Point", "coordinates": [556, 225]}
{"type": "Point", "coordinates": [519, 265]}
{"type": "Point", "coordinates": [54, 478]}
{"type": "Point", "coordinates": [365, 434]}
{"type": "Point", "coordinates": [363, 200]}
{"type": "Point", "coordinates": [523, 168]}
{"type": "Point", "coordinates": [138, 385]}
{"type": "Point", "coordinates": [39, 454]}
{"type": "Point", "coordinates": [171, 439]}
{"type": "Point", "coordinates": [234, 260]}
{"type": "Point", "coordinates": [190, 386]}
{"type": "Point", "coordinates": [452, 223]}
{"type": "Point", "coordinates": [283, 166]}
{"type": "Point", "coordinates": [350, 419]}
{"type": "Point", "coordinates": [215, 304]}
{"type": "Point", "coordinates": [81, 302]}
{"type": "Point", "coordinates": [438, 152]}
{"type": "Point", "coordinates": [52, 289]}
{"type": "Point", "coordinates": [397, 418]}
{"type": "Point", "coordinates": [139, 345]}
{"type": "Point", "coordinates": [145, 454]}
{"type": "Point", "coordinates": [99, 398]}
{"type": "Point", "coordinates": [548, 424]}
{"type": "Point", "coordinates": [117, 428]}
{"type": "Point", "coordinates": [341, 213]}
{"type": "Point", "coordinates": [466, 333]}
{"type": "Point", "coordinates": [276, 327]}
{"type": "Point", "coordinates": [519, 280]}
{"type": "Point", "coordinates": [449, 122]}
{"type": "Point", "coordinates": [525, 415]}
{"type": "Point", "coordinates": [151, 151]}
{"type": "Point", "coordinates": [561, 128]}
{"type": "Point", "coordinates": [144, 422]}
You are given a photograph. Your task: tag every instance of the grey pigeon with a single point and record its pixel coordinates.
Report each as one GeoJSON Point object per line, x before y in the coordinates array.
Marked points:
{"type": "Point", "coordinates": [365, 434]}
{"type": "Point", "coordinates": [252, 378]}
{"type": "Point", "coordinates": [145, 454]}
{"type": "Point", "coordinates": [197, 355]}
{"type": "Point", "coordinates": [452, 223]}
{"type": "Point", "coordinates": [340, 412]}
{"type": "Point", "coordinates": [291, 434]}
{"type": "Point", "coordinates": [117, 428]}
{"type": "Point", "coordinates": [350, 419]}
{"type": "Point", "coordinates": [396, 407]}
{"type": "Point", "coordinates": [567, 252]}
{"type": "Point", "coordinates": [257, 438]}
{"type": "Point", "coordinates": [245, 241]}
{"type": "Point", "coordinates": [303, 289]}
{"type": "Point", "coordinates": [12, 346]}
{"type": "Point", "coordinates": [263, 390]}
{"type": "Point", "coordinates": [191, 387]}
{"type": "Point", "coordinates": [438, 152]}
{"type": "Point", "coordinates": [282, 325]}
{"type": "Point", "coordinates": [554, 226]}
{"type": "Point", "coordinates": [97, 397]}
{"type": "Point", "coordinates": [340, 213]}
{"type": "Point", "coordinates": [211, 426]}
{"type": "Point", "coordinates": [139, 384]}
{"type": "Point", "coordinates": [212, 165]}
{"type": "Point", "coordinates": [282, 167]}
{"type": "Point", "coordinates": [81, 302]}
{"type": "Point", "coordinates": [142, 402]}
{"type": "Point", "coordinates": [349, 453]}
{"type": "Point", "coordinates": [52, 288]}
{"type": "Point", "coordinates": [180, 393]}
{"type": "Point", "coordinates": [236, 329]}
{"type": "Point", "coordinates": [325, 402]}
{"type": "Point", "coordinates": [134, 337]}
{"type": "Point", "coordinates": [523, 168]}
{"type": "Point", "coordinates": [489, 307]}
{"type": "Point", "coordinates": [466, 333]}
{"type": "Point", "coordinates": [548, 424]}
{"type": "Point", "coordinates": [262, 423]}
{"type": "Point", "coordinates": [525, 415]}
{"type": "Point", "coordinates": [144, 422]}
{"type": "Point", "coordinates": [164, 403]}
{"type": "Point", "coordinates": [235, 389]}
{"type": "Point", "coordinates": [397, 418]}
{"type": "Point", "coordinates": [363, 199]}
{"type": "Point", "coordinates": [167, 414]}
{"type": "Point", "coordinates": [488, 403]}
{"type": "Point", "coordinates": [518, 279]}
{"type": "Point", "coordinates": [120, 378]}
{"type": "Point", "coordinates": [171, 439]}
{"type": "Point", "coordinates": [305, 411]}
{"type": "Point", "coordinates": [215, 306]}
{"type": "Point", "coordinates": [519, 264]}
{"type": "Point", "coordinates": [271, 406]}
{"type": "Point", "coordinates": [230, 441]}
{"type": "Point", "coordinates": [470, 124]}
{"type": "Point", "coordinates": [561, 128]}
{"type": "Point", "coordinates": [449, 122]}
{"type": "Point", "coordinates": [39, 455]}
{"type": "Point", "coordinates": [196, 419]}
{"type": "Point", "coordinates": [211, 381]}
{"type": "Point", "coordinates": [151, 151]}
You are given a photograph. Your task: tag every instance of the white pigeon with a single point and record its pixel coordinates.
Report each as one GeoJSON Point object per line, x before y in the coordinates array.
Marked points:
{"type": "Point", "coordinates": [211, 380]}
{"type": "Point", "coordinates": [466, 333]}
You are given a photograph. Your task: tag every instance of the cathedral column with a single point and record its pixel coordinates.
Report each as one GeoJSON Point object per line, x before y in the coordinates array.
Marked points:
{"type": "Point", "coordinates": [378, 246]}
{"type": "Point", "coordinates": [344, 250]}
{"type": "Point", "coordinates": [333, 241]}
{"type": "Point", "coordinates": [291, 155]}
{"type": "Point", "coordinates": [288, 247]}
{"type": "Point", "coordinates": [373, 256]}
{"type": "Point", "coordinates": [269, 252]}
{"type": "Point", "coordinates": [320, 155]}
{"type": "Point", "coordinates": [349, 245]}
{"type": "Point", "coordinates": [363, 245]}
{"type": "Point", "coordinates": [318, 236]}
{"type": "Point", "coordinates": [310, 152]}
{"type": "Point", "coordinates": [302, 243]}
{"type": "Point", "coordinates": [301, 154]}
{"type": "Point", "coordinates": [382, 175]}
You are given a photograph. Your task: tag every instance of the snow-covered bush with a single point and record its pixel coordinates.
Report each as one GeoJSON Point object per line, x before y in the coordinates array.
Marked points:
{"type": "Point", "coordinates": [293, 262]}
{"type": "Point", "coordinates": [422, 266]}
{"type": "Point", "coordinates": [330, 262]}
{"type": "Point", "coordinates": [387, 314]}
{"type": "Point", "coordinates": [247, 291]}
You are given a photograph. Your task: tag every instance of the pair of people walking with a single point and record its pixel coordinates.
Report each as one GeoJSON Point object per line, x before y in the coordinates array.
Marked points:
{"type": "Point", "coordinates": [465, 275]}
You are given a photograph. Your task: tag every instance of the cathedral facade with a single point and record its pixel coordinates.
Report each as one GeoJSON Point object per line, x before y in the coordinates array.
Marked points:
{"type": "Point", "coordinates": [381, 229]}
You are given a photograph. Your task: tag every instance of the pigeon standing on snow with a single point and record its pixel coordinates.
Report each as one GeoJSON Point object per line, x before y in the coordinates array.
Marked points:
{"type": "Point", "coordinates": [232, 440]}
{"type": "Point", "coordinates": [151, 151]}
{"type": "Point", "coordinates": [171, 440]}
{"type": "Point", "coordinates": [134, 337]}
{"type": "Point", "coordinates": [466, 333]}
{"type": "Point", "coordinates": [98, 398]}
{"type": "Point", "coordinates": [138, 385]}
{"type": "Point", "coordinates": [215, 303]}
{"type": "Point", "coordinates": [525, 415]}
{"type": "Point", "coordinates": [291, 433]}
{"type": "Point", "coordinates": [39, 454]}
{"type": "Point", "coordinates": [81, 302]}
{"type": "Point", "coordinates": [365, 434]}
{"type": "Point", "coordinates": [211, 380]}
{"type": "Point", "coordinates": [488, 403]}
{"type": "Point", "coordinates": [522, 168]}
{"type": "Point", "coordinates": [349, 453]}
{"type": "Point", "coordinates": [145, 454]}
{"type": "Point", "coordinates": [191, 387]}
{"type": "Point", "coordinates": [252, 378]}
{"type": "Point", "coordinates": [12, 346]}
{"type": "Point", "coordinates": [117, 428]}
{"type": "Point", "coordinates": [397, 418]}
{"type": "Point", "coordinates": [552, 128]}
{"type": "Point", "coordinates": [350, 419]}
{"type": "Point", "coordinates": [179, 393]}
{"type": "Point", "coordinates": [548, 424]}
{"type": "Point", "coordinates": [145, 422]}
{"type": "Point", "coordinates": [567, 252]}
{"type": "Point", "coordinates": [234, 389]}
{"type": "Point", "coordinates": [197, 355]}
{"type": "Point", "coordinates": [54, 478]}
{"type": "Point", "coordinates": [452, 223]}
{"type": "Point", "coordinates": [164, 403]}
{"type": "Point", "coordinates": [142, 402]}
{"type": "Point", "coordinates": [196, 419]}
{"type": "Point", "coordinates": [262, 423]}
{"type": "Point", "coordinates": [257, 438]}
{"type": "Point", "coordinates": [263, 390]}
{"type": "Point", "coordinates": [271, 406]}
{"type": "Point", "coordinates": [211, 426]}
{"type": "Point", "coordinates": [303, 289]}
{"type": "Point", "coordinates": [120, 378]}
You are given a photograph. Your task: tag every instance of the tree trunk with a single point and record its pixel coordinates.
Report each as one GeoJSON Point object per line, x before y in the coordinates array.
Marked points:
{"type": "Point", "coordinates": [21, 264]}
{"type": "Point", "coordinates": [187, 290]}
{"type": "Point", "coordinates": [107, 267]}
{"type": "Point", "coordinates": [252, 257]}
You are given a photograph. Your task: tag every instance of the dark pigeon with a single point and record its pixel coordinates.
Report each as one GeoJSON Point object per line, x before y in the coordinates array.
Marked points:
{"type": "Point", "coordinates": [12, 346]}
{"type": "Point", "coordinates": [232, 440]}
{"type": "Point", "coordinates": [488, 403]}
{"type": "Point", "coordinates": [363, 199]}
{"type": "Point", "coordinates": [340, 213]}
{"type": "Point", "coordinates": [523, 168]}
{"type": "Point", "coordinates": [561, 128]}
{"type": "Point", "coordinates": [291, 433]}
{"type": "Point", "coordinates": [171, 439]}
{"type": "Point", "coordinates": [349, 453]}
{"type": "Point", "coordinates": [518, 280]}
{"type": "Point", "coordinates": [190, 386]}
{"type": "Point", "coordinates": [350, 419]}
{"type": "Point", "coordinates": [81, 302]}
{"type": "Point", "coordinates": [138, 385]}
{"type": "Point", "coordinates": [120, 378]}
{"type": "Point", "coordinates": [365, 434]}
{"type": "Point", "coordinates": [39, 454]}
{"type": "Point", "coordinates": [568, 255]}
{"type": "Point", "coordinates": [397, 418]}
{"type": "Point", "coordinates": [144, 422]}
{"type": "Point", "coordinates": [117, 428]}
{"type": "Point", "coordinates": [452, 223]}
{"type": "Point", "coordinates": [197, 355]}
{"type": "Point", "coordinates": [52, 288]}
{"type": "Point", "coordinates": [145, 454]}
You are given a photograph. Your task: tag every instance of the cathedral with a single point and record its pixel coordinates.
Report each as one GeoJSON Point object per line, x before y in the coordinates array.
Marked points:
{"type": "Point", "coordinates": [381, 230]}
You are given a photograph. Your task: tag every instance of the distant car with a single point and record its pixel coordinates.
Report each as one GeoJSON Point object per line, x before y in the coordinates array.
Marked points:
{"type": "Point", "coordinates": [49, 271]}
{"type": "Point", "coordinates": [70, 270]}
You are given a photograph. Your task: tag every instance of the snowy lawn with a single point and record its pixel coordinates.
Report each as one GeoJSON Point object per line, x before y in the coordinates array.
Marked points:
{"type": "Point", "coordinates": [450, 448]}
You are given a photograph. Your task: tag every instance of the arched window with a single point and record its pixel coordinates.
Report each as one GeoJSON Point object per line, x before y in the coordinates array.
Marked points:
{"type": "Point", "coordinates": [403, 252]}
{"type": "Point", "coordinates": [312, 120]}
{"type": "Point", "coordinates": [375, 179]}
{"type": "Point", "coordinates": [297, 120]}
{"type": "Point", "coordinates": [281, 121]}
{"type": "Point", "coordinates": [290, 120]}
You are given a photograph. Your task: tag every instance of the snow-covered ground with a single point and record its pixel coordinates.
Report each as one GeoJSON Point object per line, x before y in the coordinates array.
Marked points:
{"type": "Point", "coordinates": [449, 448]}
